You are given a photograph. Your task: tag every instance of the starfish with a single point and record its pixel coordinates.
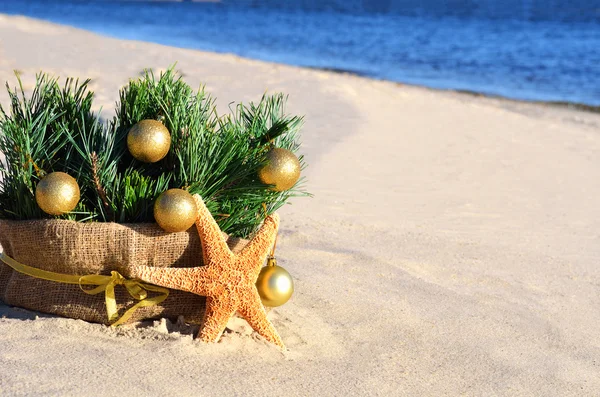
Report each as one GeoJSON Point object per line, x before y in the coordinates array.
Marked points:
{"type": "Point", "coordinates": [227, 280]}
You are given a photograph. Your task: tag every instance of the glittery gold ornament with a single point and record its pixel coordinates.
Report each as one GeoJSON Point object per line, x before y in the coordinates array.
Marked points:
{"type": "Point", "coordinates": [57, 193]}
{"type": "Point", "coordinates": [282, 169]}
{"type": "Point", "coordinates": [274, 284]}
{"type": "Point", "coordinates": [175, 210]}
{"type": "Point", "coordinates": [149, 141]}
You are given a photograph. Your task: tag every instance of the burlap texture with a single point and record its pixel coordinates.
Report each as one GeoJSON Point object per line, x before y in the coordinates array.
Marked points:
{"type": "Point", "coordinates": [96, 248]}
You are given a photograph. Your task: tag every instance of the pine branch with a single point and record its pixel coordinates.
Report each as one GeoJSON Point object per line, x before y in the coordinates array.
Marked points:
{"type": "Point", "coordinates": [99, 188]}
{"type": "Point", "coordinates": [216, 157]}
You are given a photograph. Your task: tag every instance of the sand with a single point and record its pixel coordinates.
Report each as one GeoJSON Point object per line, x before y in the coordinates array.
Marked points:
{"type": "Point", "coordinates": [452, 246]}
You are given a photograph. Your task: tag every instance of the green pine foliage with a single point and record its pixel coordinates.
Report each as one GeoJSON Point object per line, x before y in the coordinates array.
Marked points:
{"type": "Point", "coordinates": [54, 129]}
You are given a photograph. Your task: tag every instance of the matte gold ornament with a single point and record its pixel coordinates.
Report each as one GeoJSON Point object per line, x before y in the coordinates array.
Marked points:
{"type": "Point", "coordinates": [274, 284]}
{"type": "Point", "coordinates": [57, 193]}
{"type": "Point", "coordinates": [175, 210]}
{"type": "Point", "coordinates": [282, 169]}
{"type": "Point", "coordinates": [149, 141]}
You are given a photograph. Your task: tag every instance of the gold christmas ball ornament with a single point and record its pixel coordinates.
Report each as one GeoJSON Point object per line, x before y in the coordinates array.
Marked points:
{"type": "Point", "coordinates": [149, 141]}
{"type": "Point", "coordinates": [175, 210]}
{"type": "Point", "coordinates": [275, 285]}
{"type": "Point", "coordinates": [282, 169]}
{"type": "Point", "coordinates": [57, 193]}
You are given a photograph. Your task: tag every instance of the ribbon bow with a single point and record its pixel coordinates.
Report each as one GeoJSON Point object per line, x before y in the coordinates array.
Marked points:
{"type": "Point", "coordinates": [137, 289]}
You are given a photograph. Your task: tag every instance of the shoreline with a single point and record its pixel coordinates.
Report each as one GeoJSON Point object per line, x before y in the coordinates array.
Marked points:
{"type": "Point", "coordinates": [558, 103]}
{"type": "Point", "coordinates": [562, 104]}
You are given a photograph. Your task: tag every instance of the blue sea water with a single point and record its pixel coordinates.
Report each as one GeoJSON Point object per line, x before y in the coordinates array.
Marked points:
{"type": "Point", "coordinates": [546, 50]}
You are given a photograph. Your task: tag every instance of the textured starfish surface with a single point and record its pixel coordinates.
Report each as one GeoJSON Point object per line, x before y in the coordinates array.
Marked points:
{"type": "Point", "coordinates": [227, 280]}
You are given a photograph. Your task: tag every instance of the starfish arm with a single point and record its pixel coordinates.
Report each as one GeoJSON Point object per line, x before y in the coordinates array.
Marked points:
{"type": "Point", "coordinates": [186, 279]}
{"type": "Point", "coordinates": [254, 312]}
{"type": "Point", "coordinates": [214, 246]}
{"type": "Point", "coordinates": [258, 248]}
{"type": "Point", "coordinates": [219, 310]}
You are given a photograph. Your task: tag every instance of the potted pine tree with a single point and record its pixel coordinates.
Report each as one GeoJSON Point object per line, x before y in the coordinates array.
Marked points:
{"type": "Point", "coordinates": [82, 198]}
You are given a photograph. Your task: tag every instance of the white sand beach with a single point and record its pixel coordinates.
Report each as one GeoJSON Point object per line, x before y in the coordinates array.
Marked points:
{"type": "Point", "coordinates": [452, 246]}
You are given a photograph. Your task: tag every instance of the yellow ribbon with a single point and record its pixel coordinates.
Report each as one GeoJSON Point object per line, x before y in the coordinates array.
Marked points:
{"type": "Point", "coordinates": [137, 289]}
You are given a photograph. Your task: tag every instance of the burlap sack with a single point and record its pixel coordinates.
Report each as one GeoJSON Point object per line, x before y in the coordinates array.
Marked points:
{"type": "Point", "coordinates": [96, 248]}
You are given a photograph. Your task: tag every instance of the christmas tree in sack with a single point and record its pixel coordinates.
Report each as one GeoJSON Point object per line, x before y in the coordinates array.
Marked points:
{"type": "Point", "coordinates": [169, 200]}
